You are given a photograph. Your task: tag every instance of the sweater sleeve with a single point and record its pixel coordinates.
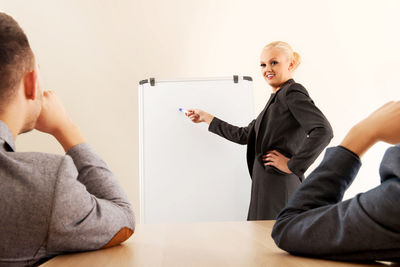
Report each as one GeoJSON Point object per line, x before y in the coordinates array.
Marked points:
{"type": "Point", "coordinates": [230, 132]}
{"type": "Point", "coordinates": [90, 208]}
{"type": "Point", "coordinates": [315, 125]}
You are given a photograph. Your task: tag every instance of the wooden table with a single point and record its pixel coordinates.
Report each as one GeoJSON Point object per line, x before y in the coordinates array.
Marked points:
{"type": "Point", "coordinates": [199, 244]}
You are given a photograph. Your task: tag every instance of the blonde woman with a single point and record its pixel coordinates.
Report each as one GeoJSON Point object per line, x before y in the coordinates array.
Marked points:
{"type": "Point", "coordinates": [285, 138]}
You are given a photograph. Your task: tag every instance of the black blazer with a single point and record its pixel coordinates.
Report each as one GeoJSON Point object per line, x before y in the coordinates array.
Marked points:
{"type": "Point", "coordinates": [289, 123]}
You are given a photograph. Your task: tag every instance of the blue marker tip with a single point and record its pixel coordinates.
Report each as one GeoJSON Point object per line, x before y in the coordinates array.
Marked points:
{"type": "Point", "coordinates": [183, 110]}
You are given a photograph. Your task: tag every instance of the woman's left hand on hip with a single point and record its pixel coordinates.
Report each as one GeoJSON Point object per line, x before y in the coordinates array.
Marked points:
{"type": "Point", "coordinates": [276, 159]}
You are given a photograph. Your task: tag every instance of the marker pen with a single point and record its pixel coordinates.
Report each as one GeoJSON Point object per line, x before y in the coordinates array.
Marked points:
{"type": "Point", "coordinates": [184, 111]}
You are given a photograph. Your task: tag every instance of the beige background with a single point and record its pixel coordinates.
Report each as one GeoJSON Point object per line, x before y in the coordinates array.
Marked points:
{"type": "Point", "coordinates": [93, 54]}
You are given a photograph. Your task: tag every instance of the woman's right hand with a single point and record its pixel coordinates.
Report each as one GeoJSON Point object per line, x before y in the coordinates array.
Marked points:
{"type": "Point", "coordinates": [198, 115]}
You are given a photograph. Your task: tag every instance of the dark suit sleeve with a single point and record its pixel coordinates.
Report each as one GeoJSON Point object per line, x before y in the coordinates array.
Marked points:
{"type": "Point", "coordinates": [232, 133]}
{"type": "Point", "coordinates": [315, 125]}
{"type": "Point", "coordinates": [316, 222]}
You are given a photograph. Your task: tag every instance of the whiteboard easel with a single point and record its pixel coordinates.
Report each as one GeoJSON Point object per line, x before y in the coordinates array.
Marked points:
{"type": "Point", "coordinates": [188, 174]}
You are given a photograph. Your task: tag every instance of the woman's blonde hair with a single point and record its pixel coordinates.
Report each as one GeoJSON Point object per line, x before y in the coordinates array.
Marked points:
{"type": "Point", "coordinates": [285, 47]}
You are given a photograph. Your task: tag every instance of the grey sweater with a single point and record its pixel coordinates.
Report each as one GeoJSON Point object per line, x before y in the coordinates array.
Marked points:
{"type": "Point", "coordinates": [52, 204]}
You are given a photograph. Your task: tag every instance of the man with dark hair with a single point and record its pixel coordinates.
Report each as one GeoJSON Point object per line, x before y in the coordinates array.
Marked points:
{"type": "Point", "coordinates": [16, 57]}
{"type": "Point", "coordinates": [317, 223]}
{"type": "Point", "coordinates": [49, 204]}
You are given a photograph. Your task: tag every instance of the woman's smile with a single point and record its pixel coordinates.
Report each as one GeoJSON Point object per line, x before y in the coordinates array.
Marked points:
{"type": "Point", "coordinates": [270, 76]}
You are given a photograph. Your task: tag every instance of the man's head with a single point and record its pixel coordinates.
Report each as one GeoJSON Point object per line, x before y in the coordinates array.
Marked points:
{"type": "Point", "coordinates": [19, 77]}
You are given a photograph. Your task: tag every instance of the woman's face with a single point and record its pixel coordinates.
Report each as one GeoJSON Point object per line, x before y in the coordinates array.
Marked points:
{"type": "Point", "coordinates": [276, 68]}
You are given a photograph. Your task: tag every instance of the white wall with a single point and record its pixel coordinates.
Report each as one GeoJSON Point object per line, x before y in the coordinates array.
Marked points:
{"type": "Point", "coordinates": [93, 53]}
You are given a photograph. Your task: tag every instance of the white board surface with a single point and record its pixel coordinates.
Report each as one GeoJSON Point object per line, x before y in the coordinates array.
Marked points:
{"type": "Point", "coordinates": [188, 174]}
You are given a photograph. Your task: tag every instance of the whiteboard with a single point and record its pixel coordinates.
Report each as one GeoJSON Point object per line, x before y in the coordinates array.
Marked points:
{"type": "Point", "coordinates": [188, 174]}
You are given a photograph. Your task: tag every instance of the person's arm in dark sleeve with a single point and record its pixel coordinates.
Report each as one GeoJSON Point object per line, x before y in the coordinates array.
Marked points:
{"type": "Point", "coordinates": [316, 223]}
{"type": "Point", "coordinates": [232, 133]}
{"type": "Point", "coordinates": [90, 209]}
{"type": "Point", "coordinates": [315, 125]}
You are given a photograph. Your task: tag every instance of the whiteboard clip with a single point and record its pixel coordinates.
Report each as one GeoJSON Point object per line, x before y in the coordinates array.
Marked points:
{"type": "Point", "coordinates": [235, 78]}
{"type": "Point", "coordinates": [152, 81]}
{"type": "Point", "coordinates": [143, 82]}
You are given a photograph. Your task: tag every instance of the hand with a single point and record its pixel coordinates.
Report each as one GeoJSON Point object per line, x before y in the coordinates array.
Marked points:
{"type": "Point", "coordinates": [198, 115]}
{"type": "Point", "coordinates": [53, 119]}
{"type": "Point", "coordinates": [385, 123]}
{"type": "Point", "coordinates": [276, 159]}
{"type": "Point", "coordinates": [381, 125]}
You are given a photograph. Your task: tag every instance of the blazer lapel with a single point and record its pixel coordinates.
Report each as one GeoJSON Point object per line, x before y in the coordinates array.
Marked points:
{"type": "Point", "coordinates": [271, 99]}
{"type": "Point", "coordinates": [261, 116]}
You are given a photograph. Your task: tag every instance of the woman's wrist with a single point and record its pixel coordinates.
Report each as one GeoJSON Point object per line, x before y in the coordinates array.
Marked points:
{"type": "Point", "coordinates": [208, 118]}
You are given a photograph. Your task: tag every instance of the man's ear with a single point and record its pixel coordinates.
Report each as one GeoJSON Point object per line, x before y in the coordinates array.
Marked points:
{"type": "Point", "coordinates": [30, 84]}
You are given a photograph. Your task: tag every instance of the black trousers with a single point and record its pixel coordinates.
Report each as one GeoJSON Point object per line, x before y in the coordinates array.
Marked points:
{"type": "Point", "coordinates": [270, 191]}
